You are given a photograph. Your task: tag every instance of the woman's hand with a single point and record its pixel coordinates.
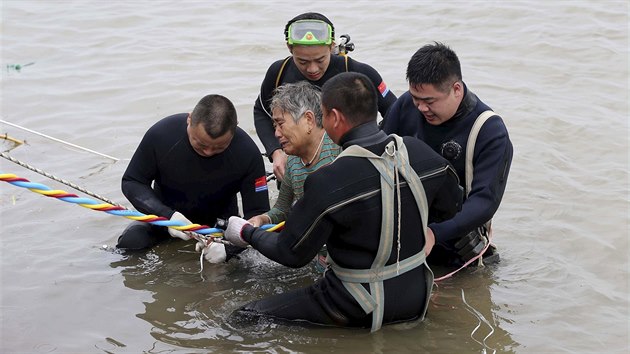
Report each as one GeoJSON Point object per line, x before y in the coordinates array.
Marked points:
{"type": "Point", "coordinates": [279, 159]}
{"type": "Point", "coordinates": [260, 220]}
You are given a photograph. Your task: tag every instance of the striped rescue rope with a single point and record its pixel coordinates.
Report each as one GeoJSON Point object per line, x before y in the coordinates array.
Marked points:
{"type": "Point", "coordinates": [107, 207]}
{"type": "Point", "coordinates": [198, 232]}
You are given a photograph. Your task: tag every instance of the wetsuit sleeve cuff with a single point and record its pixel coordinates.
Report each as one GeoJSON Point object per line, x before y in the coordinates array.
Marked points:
{"type": "Point", "coordinates": [246, 233]}
{"type": "Point", "coordinates": [438, 232]}
{"type": "Point", "coordinates": [270, 153]}
{"type": "Point", "coordinates": [444, 231]}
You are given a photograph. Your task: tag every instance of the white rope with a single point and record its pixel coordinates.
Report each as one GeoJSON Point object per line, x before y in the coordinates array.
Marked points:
{"type": "Point", "coordinates": [59, 140]}
{"type": "Point", "coordinates": [480, 318]}
{"type": "Point", "coordinates": [55, 178]}
{"type": "Point", "coordinates": [398, 204]}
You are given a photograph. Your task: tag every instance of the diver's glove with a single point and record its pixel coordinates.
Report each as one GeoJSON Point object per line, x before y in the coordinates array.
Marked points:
{"type": "Point", "coordinates": [177, 216]}
{"type": "Point", "coordinates": [471, 245]}
{"type": "Point", "coordinates": [213, 253]}
{"type": "Point", "coordinates": [233, 231]}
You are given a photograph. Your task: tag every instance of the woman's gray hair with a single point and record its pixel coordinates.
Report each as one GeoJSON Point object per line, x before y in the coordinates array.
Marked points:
{"type": "Point", "coordinates": [297, 98]}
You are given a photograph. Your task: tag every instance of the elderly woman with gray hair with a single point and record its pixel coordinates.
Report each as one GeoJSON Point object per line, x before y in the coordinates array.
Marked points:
{"type": "Point", "coordinates": [297, 119]}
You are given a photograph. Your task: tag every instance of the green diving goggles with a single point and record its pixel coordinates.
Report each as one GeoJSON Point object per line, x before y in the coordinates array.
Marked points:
{"type": "Point", "coordinates": [310, 32]}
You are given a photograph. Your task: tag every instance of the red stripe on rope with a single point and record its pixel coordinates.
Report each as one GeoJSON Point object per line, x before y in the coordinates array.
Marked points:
{"type": "Point", "coordinates": [109, 208]}
{"type": "Point", "coordinates": [63, 195]}
{"type": "Point", "coordinates": [159, 218]}
{"type": "Point", "coordinates": [15, 179]}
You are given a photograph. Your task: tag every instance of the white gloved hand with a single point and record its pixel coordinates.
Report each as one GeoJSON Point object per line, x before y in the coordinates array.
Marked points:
{"type": "Point", "coordinates": [177, 216]}
{"type": "Point", "coordinates": [213, 253]}
{"type": "Point", "coordinates": [233, 231]}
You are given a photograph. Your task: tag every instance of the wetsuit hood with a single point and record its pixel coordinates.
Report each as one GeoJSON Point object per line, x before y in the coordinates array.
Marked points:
{"type": "Point", "coordinates": [363, 135]}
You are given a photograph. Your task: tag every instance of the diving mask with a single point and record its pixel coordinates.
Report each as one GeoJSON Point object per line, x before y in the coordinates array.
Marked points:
{"type": "Point", "coordinates": [310, 32]}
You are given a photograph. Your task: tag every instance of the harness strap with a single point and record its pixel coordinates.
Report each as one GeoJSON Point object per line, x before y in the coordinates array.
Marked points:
{"type": "Point", "coordinates": [389, 164]}
{"type": "Point", "coordinates": [384, 273]}
{"type": "Point", "coordinates": [485, 229]}
{"type": "Point", "coordinates": [284, 63]}
{"type": "Point", "coordinates": [470, 148]}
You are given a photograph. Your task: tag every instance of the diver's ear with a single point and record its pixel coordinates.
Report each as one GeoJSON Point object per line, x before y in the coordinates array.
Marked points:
{"type": "Point", "coordinates": [458, 89]}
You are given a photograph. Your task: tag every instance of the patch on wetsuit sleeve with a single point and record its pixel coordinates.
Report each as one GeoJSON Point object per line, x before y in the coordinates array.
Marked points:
{"type": "Point", "coordinates": [261, 184]}
{"type": "Point", "coordinates": [383, 89]}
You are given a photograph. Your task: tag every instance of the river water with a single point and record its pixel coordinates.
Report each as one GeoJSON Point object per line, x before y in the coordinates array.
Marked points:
{"type": "Point", "coordinates": [102, 72]}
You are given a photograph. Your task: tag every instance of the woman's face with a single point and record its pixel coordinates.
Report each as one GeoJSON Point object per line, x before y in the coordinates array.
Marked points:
{"type": "Point", "coordinates": [293, 137]}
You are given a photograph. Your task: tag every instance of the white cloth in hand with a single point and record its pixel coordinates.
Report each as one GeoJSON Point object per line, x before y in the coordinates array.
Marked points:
{"type": "Point", "coordinates": [213, 253]}
{"type": "Point", "coordinates": [177, 216]}
{"type": "Point", "coordinates": [233, 231]}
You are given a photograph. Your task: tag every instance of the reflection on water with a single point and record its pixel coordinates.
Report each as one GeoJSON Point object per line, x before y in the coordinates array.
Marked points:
{"type": "Point", "coordinates": [191, 308]}
{"type": "Point", "coordinates": [464, 303]}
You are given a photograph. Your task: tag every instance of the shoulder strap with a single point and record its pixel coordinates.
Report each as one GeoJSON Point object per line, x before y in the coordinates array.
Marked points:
{"type": "Point", "coordinates": [345, 57]}
{"type": "Point", "coordinates": [470, 146]}
{"type": "Point", "coordinates": [284, 63]}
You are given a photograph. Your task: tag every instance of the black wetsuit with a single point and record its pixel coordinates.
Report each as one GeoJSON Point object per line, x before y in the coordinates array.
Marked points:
{"type": "Point", "coordinates": [291, 74]}
{"type": "Point", "coordinates": [491, 160]}
{"type": "Point", "coordinates": [341, 208]}
{"type": "Point", "coordinates": [201, 188]}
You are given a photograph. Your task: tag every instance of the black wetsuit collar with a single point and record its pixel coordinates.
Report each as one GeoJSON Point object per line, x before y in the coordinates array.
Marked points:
{"type": "Point", "coordinates": [363, 135]}
{"type": "Point", "coordinates": [465, 107]}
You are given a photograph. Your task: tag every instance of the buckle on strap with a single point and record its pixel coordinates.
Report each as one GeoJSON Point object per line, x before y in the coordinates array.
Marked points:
{"type": "Point", "coordinates": [390, 149]}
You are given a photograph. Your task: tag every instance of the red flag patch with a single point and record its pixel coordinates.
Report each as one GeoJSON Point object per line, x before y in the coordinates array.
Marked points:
{"type": "Point", "coordinates": [261, 184]}
{"type": "Point", "coordinates": [383, 89]}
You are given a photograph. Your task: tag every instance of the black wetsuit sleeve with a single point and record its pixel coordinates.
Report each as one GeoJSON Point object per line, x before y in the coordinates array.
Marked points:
{"type": "Point", "coordinates": [386, 97]}
{"type": "Point", "coordinates": [262, 112]}
{"type": "Point", "coordinates": [493, 156]}
{"type": "Point", "coordinates": [448, 198]}
{"type": "Point", "coordinates": [403, 118]}
{"type": "Point", "coordinates": [390, 123]}
{"type": "Point", "coordinates": [137, 179]}
{"type": "Point", "coordinates": [255, 196]}
{"type": "Point", "coordinates": [304, 233]}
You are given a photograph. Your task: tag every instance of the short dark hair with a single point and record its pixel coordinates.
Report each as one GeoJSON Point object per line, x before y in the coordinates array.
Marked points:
{"type": "Point", "coordinates": [353, 94]}
{"type": "Point", "coordinates": [434, 64]}
{"type": "Point", "coordinates": [217, 114]}
{"type": "Point", "coordinates": [308, 16]}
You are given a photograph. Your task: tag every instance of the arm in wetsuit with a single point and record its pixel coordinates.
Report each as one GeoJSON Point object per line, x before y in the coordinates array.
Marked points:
{"type": "Point", "coordinates": [253, 188]}
{"type": "Point", "coordinates": [316, 215]}
{"type": "Point", "coordinates": [492, 160]}
{"type": "Point", "coordinates": [140, 174]}
{"type": "Point", "coordinates": [262, 112]}
{"type": "Point", "coordinates": [308, 227]}
{"type": "Point", "coordinates": [289, 247]}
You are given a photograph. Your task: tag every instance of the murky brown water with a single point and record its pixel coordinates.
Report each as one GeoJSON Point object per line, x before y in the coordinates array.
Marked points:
{"type": "Point", "coordinates": [104, 72]}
